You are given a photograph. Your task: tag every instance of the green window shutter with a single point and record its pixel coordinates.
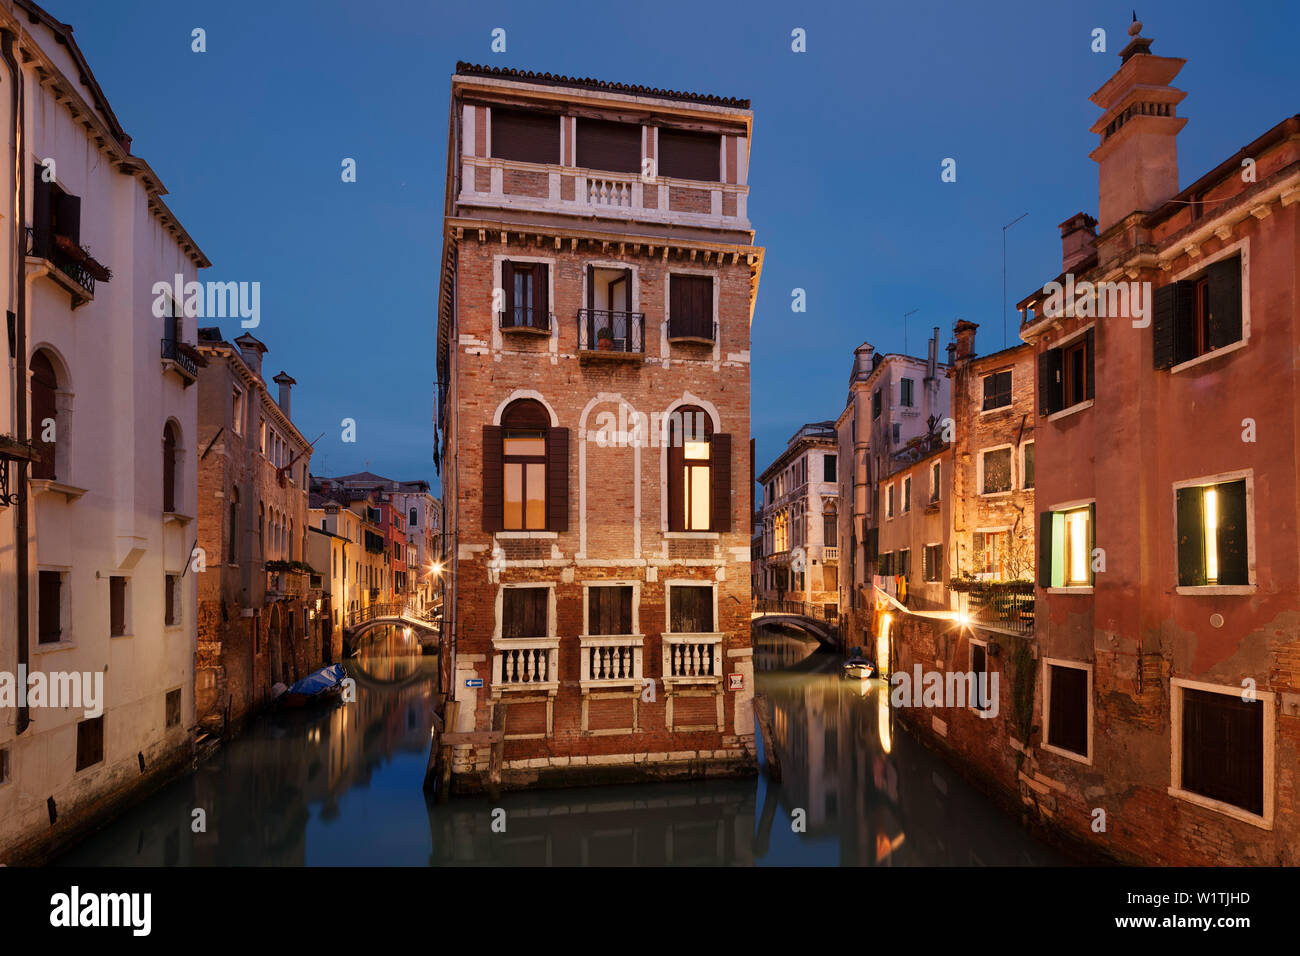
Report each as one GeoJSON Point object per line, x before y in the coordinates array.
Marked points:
{"type": "Point", "coordinates": [1045, 549]}
{"type": "Point", "coordinates": [1191, 536]}
{"type": "Point", "coordinates": [1092, 540]}
{"type": "Point", "coordinates": [1225, 302]}
{"type": "Point", "coordinates": [1057, 539]}
{"type": "Point", "coordinates": [1090, 363]}
{"type": "Point", "coordinates": [1231, 536]}
{"type": "Point", "coordinates": [1162, 326]}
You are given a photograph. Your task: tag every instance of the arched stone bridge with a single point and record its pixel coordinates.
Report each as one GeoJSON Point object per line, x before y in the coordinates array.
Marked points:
{"type": "Point", "coordinates": [363, 620]}
{"type": "Point", "coordinates": [813, 618]}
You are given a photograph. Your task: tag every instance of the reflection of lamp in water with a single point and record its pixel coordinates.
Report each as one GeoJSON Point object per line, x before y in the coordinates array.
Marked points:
{"type": "Point", "coordinates": [882, 644]}
{"type": "Point", "coordinates": [882, 721]}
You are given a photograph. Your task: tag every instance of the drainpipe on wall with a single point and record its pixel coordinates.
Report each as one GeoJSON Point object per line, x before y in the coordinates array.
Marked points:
{"type": "Point", "coordinates": [18, 257]}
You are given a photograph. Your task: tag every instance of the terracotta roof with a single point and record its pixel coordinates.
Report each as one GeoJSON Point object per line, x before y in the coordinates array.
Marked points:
{"type": "Point", "coordinates": [588, 83]}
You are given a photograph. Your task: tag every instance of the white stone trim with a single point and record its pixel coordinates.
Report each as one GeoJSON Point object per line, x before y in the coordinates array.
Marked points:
{"type": "Point", "coordinates": [1047, 664]}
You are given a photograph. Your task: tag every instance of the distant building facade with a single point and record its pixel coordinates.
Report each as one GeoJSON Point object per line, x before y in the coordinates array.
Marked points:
{"type": "Point", "coordinates": [800, 519]}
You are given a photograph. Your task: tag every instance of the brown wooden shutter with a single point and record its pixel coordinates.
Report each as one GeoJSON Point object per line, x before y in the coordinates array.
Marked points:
{"type": "Point", "coordinates": [1231, 537]}
{"type": "Point", "coordinates": [169, 469]}
{"type": "Point", "coordinates": [526, 136]}
{"type": "Point", "coordinates": [1051, 389]}
{"type": "Point", "coordinates": [1185, 322]}
{"type": "Point", "coordinates": [1045, 549]}
{"type": "Point", "coordinates": [720, 477]}
{"type": "Point", "coordinates": [676, 475]}
{"type": "Point", "coordinates": [117, 606]}
{"type": "Point", "coordinates": [690, 155]}
{"type": "Point", "coordinates": [541, 298]}
{"type": "Point", "coordinates": [1162, 326]}
{"type": "Point", "coordinates": [1068, 713]}
{"type": "Point", "coordinates": [493, 503]}
{"type": "Point", "coordinates": [1191, 536]}
{"type": "Point", "coordinates": [1092, 541]}
{"type": "Point", "coordinates": [615, 147]}
{"type": "Point", "coordinates": [1223, 748]}
{"type": "Point", "coordinates": [1225, 302]}
{"type": "Point", "coordinates": [557, 479]}
{"type": "Point", "coordinates": [1090, 362]}
{"type": "Point", "coordinates": [42, 214]}
{"type": "Point", "coordinates": [508, 294]}
{"type": "Point", "coordinates": [43, 406]}
{"type": "Point", "coordinates": [67, 211]}
{"type": "Point", "coordinates": [49, 606]}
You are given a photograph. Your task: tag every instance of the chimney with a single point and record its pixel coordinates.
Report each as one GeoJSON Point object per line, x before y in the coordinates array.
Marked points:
{"type": "Point", "coordinates": [862, 362]}
{"type": "Point", "coordinates": [1137, 159]}
{"type": "Point", "coordinates": [1078, 240]}
{"type": "Point", "coordinates": [932, 365]}
{"type": "Point", "coordinates": [965, 334]}
{"type": "Point", "coordinates": [285, 383]}
{"type": "Point", "coordinates": [251, 350]}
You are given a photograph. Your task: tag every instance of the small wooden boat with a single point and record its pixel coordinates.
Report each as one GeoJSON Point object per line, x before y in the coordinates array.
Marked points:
{"type": "Point", "coordinates": [858, 668]}
{"type": "Point", "coordinates": [324, 685]}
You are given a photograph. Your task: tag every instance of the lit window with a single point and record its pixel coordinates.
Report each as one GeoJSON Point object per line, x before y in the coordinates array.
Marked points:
{"type": "Point", "coordinates": [1213, 535]}
{"type": "Point", "coordinates": [1068, 544]}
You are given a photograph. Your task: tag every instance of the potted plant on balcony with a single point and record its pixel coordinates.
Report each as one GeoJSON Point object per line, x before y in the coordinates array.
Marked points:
{"type": "Point", "coordinates": [605, 338]}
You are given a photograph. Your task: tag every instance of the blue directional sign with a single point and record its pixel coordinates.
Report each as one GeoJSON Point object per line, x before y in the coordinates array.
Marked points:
{"type": "Point", "coordinates": [473, 682]}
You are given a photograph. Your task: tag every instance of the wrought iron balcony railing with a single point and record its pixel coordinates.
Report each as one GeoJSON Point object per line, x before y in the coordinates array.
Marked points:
{"type": "Point", "coordinates": [178, 352]}
{"type": "Point", "coordinates": [607, 331]}
{"type": "Point", "coordinates": [69, 258]}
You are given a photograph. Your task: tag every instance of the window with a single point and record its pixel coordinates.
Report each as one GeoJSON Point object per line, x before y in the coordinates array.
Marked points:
{"type": "Point", "coordinates": [411, 520]}
{"type": "Point", "coordinates": [995, 468]}
{"type": "Point", "coordinates": [232, 542]}
{"type": "Point", "coordinates": [905, 563]}
{"type": "Point", "coordinates": [169, 464]}
{"type": "Point", "coordinates": [936, 483]}
{"type": "Point", "coordinates": [1027, 465]}
{"type": "Point", "coordinates": [690, 609]}
{"type": "Point", "coordinates": [989, 552]}
{"type": "Point", "coordinates": [49, 607]}
{"type": "Point", "coordinates": [889, 502]}
{"type": "Point", "coordinates": [690, 155]}
{"type": "Point", "coordinates": [1066, 542]}
{"type": "Point", "coordinates": [997, 390]}
{"type": "Point", "coordinates": [609, 609]}
{"type": "Point", "coordinates": [830, 530]}
{"type": "Point", "coordinates": [173, 707]}
{"type": "Point", "coordinates": [525, 136]}
{"type": "Point", "coordinates": [932, 562]}
{"type": "Point", "coordinates": [527, 296]}
{"type": "Point", "coordinates": [907, 494]}
{"type": "Point", "coordinates": [886, 563]}
{"type": "Point", "coordinates": [979, 668]}
{"type": "Point", "coordinates": [1213, 535]}
{"type": "Point", "coordinates": [90, 742]}
{"type": "Point", "coordinates": [525, 471]}
{"type": "Point", "coordinates": [906, 388]}
{"type": "Point", "coordinates": [237, 411]}
{"type": "Point", "coordinates": [4, 765]}
{"type": "Point", "coordinates": [1065, 374]}
{"type": "Point", "coordinates": [172, 599]}
{"type": "Point", "coordinates": [524, 612]}
{"type": "Point", "coordinates": [875, 404]}
{"type": "Point", "coordinates": [1066, 703]}
{"type": "Point", "coordinates": [606, 145]}
{"type": "Point", "coordinates": [1222, 750]}
{"type": "Point", "coordinates": [117, 606]}
{"type": "Point", "coordinates": [690, 307]}
{"type": "Point", "coordinates": [55, 213]}
{"type": "Point", "coordinates": [699, 473]}
{"type": "Point", "coordinates": [828, 468]}
{"type": "Point", "coordinates": [45, 387]}
{"type": "Point", "coordinates": [1196, 316]}
{"type": "Point", "coordinates": [898, 432]}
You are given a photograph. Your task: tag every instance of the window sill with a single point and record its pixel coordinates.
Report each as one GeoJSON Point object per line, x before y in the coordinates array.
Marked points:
{"type": "Point", "coordinates": [527, 535]}
{"type": "Point", "coordinates": [1078, 589]}
{"type": "Point", "coordinates": [1068, 754]}
{"type": "Point", "coordinates": [524, 330]}
{"type": "Point", "coordinates": [1227, 809]}
{"type": "Point", "coordinates": [996, 494]}
{"type": "Point", "coordinates": [689, 340]}
{"type": "Point", "coordinates": [1056, 416]}
{"type": "Point", "coordinates": [41, 485]}
{"type": "Point", "coordinates": [175, 516]}
{"type": "Point", "coordinates": [993, 411]}
{"type": "Point", "coordinates": [120, 637]}
{"type": "Point", "coordinates": [1212, 589]}
{"type": "Point", "coordinates": [1208, 356]}
{"type": "Point", "coordinates": [696, 536]}
{"type": "Point", "coordinates": [54, 646]}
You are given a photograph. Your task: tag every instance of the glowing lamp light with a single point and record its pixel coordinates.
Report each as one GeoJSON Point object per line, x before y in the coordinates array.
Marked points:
{"type": "Point", "coordinates": [1211, 535]}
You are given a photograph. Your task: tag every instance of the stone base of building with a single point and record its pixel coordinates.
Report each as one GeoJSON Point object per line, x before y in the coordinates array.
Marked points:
{"type": "Point", "coordinates": [92, 810]}
{"type": "Point", "coordinates": [543, 773]}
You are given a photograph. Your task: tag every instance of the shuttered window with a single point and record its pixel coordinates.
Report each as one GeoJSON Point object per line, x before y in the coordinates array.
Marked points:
{"type": "Point", "coordinates": [1223, 748]}
{"type": "Point", "coordinates": [1067, 713]}
{"type": "Point", "coordinates": [1195, 316]}
{"type": "Point", "coordinates": [690, 307]}
{"type": "Point", "coordinates": [45, 386]}
{"type": "Point", "coordinates": [49, 606]}
{"type": "Point", "coordinates": [979, 665]}
{"type": "Point", "coordinates": [609, 609]}
{"type": "Point", "coordinates": [526, 296]}
{"type": "Point", "coordinates": [997, 390]}
{"type": "Point", "coordinates": [1066, 541]}
{"type": "Point", "coordinates": [90, 742]}
{"type": "Point", "coordinates": [605, 145]}
{"type": "Point", "coordinates": [699, 473]}
{"type": "Point", "coordinates": [1065, 374]}
{"type": "Point", "coordinates": [690, 609]}
{"type": "Point", "coordinates": [524, 612]}
{"type": "Point", "coordinates": [690, 155]}
{"type": "Point", "coordinates": [171, 587]}
{"type": "Point", "coordinates": [1213, 534]}
{"type": "Point", "coordinates": [117, 606]}
{"type": "Point", "coordinates": [169, 467]}
{"type": "Point", "coordinates": [525, 136]}
{"type": "Point", "coordinates": [173, 707]}
{"type": "Point", "coordinates": [525, 471]}
{"type": "Point", "coordinates": [933, 562]}
{"type": "Point", "coordinates": [905, 563]}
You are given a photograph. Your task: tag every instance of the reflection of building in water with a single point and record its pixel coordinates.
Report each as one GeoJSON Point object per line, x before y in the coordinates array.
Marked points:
{"type": "Point", "coordinates": [781, 648]}
{"type": "Point", "coordinates": [675, 825]}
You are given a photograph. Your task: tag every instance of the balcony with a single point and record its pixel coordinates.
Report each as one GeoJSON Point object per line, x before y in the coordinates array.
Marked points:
{"type": "Point", "coordinates": [525, 321]}
{"type": "Point", "coordinates": [181, 358]}
{"type": "Point", "coordinates": [75, 269]}
{"type": "Point", "coordinates": [612, 336]}
{"type": "Point", "coordinates": [1006, 606]}
{"type": "Point", "coordinates": [692, 658]}
{"type": "Point", "coordinates": [830, 554]}
{"type": "Point", "coordinates": [611, 661]}
{"type": "Point", "coordinates": [282, 584]}
{"type": "Point", "coordinates": [526, 663]}
{"type": "Point", "coordinates": [571, 190]}
{"type": "Point", "coordinates": [692, 330]}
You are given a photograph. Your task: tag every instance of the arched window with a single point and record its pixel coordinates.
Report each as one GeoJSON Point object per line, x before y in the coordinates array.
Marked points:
{"type": "Point", "coordinates": [699, 473]}
{"type": "Point", "coordinates": [830, 526]}
{"type": "Point", "coordinates": [261, 532]}
{"type": "Point", "coordinates": [169, 464]}
{"type": "Point", "coordinates": [525, 471]}
{"type": "Point", "coordinates": [232, 543]}
{"type": "Point", "coordinates": [45, 387]}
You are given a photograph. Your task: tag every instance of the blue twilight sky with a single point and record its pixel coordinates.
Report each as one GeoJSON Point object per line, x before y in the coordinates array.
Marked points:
{"type": "Point", "coordinates": [844, 178]}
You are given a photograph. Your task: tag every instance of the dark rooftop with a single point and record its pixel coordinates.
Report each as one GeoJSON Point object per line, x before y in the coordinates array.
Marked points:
{"type": "Point", "coordinates": [587, 83]}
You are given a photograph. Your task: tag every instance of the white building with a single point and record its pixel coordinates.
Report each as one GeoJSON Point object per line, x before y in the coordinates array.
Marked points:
{"type": "Point", "coordinates": [95, 545]}
{"type": "Point", "coordinates": [800, 518]}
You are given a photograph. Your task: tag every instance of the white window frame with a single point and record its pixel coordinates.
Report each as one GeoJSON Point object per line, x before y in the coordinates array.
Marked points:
{"type": "Point", "coordinates": [1191, 589]}
{"type": "Point", "coordinates": [668, 604]}
{"type": "Point", "coordinates": [889, 501]}
{"type": "Point", "coordinates": [636, 605]}
{"type": "Point", "coordinates": [907, 494]}
{"type": "Point", "coordinates": [982, 575]}
{"type": "Point", "coordinates": [1073, 588]}
{"type": "Point", "coordinates": [1045, 677]}
{"type": "Point", "coordinates": [925, 548]}
{"type": "Point", "coordinates": [970, 669]}
{"type": "Point", "coordinates": [936, 482]}
{"type": "Point", "coordinates": [237, 405]}
{"type": "Point", "coordinates": [1267, 700]}
{"type": "Point", "coordinates": [1023, 470]}
{"type": "Point", "coordinates": [1011, 467]}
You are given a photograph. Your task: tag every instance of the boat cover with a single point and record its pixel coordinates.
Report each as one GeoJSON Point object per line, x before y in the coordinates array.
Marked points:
{"type": "Point", "coordinates": [323, 679]}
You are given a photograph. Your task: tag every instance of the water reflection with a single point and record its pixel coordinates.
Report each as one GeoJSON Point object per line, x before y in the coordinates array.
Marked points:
{"type": "Point", "coordinates": [342, 786]}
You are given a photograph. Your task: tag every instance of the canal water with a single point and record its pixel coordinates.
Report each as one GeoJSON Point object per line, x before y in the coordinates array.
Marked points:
{"type": "Point", "coordinates": [342, 786]}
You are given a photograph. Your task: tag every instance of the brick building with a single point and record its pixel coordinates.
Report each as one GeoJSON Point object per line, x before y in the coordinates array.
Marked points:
{"type": "Point", "coordinates": [800, 519]}
{"type": "Point", "coordinates": [599, 279]}
{"type": "Point", "coordinates": [256, 607]}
